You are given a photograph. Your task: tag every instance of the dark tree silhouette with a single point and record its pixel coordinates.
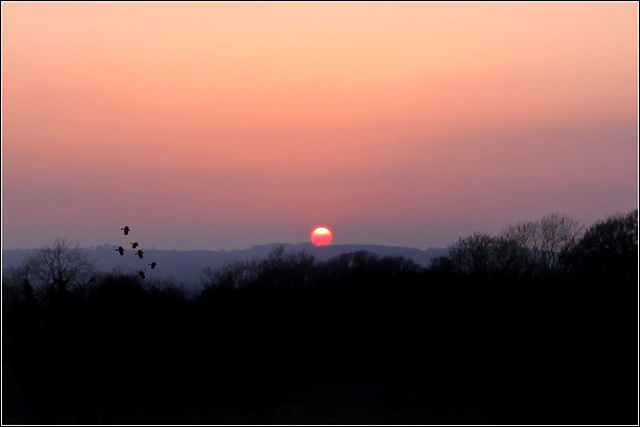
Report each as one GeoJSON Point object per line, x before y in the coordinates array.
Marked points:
{"type": "Point", "coordinates": [54, 268]}
{"type": "Point", "coordinates": [544, 241]}
{"type": "Point", "coordinates": [473, 255]}
{"type": "Point", "coordinates": [537, 325]}
{"type": "Point", "coordinates": [609, 248]}
{"type": "Point", "coordinates": [525, 249]}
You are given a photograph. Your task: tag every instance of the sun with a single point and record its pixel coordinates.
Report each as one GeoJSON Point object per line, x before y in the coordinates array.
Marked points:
{"type": "Point", "coordinates": [321, 235]}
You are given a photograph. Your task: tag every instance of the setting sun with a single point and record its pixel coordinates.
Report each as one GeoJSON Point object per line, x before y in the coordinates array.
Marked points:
{"type": "Point", "coordinates": [321, 236]}
{"type": "Point", "coordinates": [162, 160]}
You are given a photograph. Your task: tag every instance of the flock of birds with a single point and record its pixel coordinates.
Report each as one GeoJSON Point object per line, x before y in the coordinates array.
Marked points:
{"type": "Point", "coordinates": [139, 252]}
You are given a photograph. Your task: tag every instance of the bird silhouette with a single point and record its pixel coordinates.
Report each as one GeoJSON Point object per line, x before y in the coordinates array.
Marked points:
{"type": "Point", "coordinates": [153, 264]}
{"type": "Point", "coordinates": [134, 245]}
{"type": "Point", "coordinates": [139, 253]}
{"type": "Point", "coordinates": [120, 250]}
{"type": "Point", "coordinates": [141, 274]}
{"type": "Point", "coordinates": [126, 230]}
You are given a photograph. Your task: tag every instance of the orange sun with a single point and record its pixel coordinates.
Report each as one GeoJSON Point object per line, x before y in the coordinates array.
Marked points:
{"type": "Point", "coordinates": [321, 235]}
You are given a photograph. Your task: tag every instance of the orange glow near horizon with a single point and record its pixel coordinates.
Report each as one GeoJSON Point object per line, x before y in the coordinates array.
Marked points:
{"type": "Point", "coordinates": [223, 125]}
{"type": "Point", "coordinates": [321, 236]}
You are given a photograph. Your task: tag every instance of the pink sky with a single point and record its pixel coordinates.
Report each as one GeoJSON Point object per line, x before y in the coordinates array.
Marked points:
{"type": "Point", "coordinates": [211, 125]}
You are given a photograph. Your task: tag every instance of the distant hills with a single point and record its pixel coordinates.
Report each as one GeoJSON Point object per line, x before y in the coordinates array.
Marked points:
{"type": "Point", "coordinates": [185, 267]}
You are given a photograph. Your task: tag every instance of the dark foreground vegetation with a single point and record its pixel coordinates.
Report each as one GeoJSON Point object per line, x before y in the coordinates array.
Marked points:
{"type": "Point", "coordinates": [536, 325]}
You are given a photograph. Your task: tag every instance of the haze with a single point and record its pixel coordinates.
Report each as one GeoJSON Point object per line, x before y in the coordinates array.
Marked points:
{"type": "Point", "coordinates": [224, 125]}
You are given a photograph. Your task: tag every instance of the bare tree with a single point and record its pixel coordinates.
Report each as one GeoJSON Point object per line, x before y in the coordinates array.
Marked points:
{"type": "Point", "coordinates": [229, 276]}
{"type": "Point", "coordinates": [472, 255]}
{"type": "Point", "coordinates": [544, 240]}
{"type": "Point", "coordinates": [485, 256]}
{"type": "Point", "coordinates": [279, 269]}
{"type": "Point", "coordinates": [524, 249]}
{"type": "Point", "coordinates": [558, 233]}
{"type": "Point", "coordinates": [55, 268]}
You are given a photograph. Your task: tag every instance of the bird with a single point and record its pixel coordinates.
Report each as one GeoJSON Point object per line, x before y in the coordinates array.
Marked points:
{"type": "Point", "coordinates": [141, 274]}
{"type": "Point", "coordinates": [139, 253]}
{"type": "Point", "coordinates": [134, 245]}
{"type": "Point", "coordinates": [120, 250]}
{"type": "Point", "coordinates": [126, 230]}
{"type": "Point", "coordinates": [153, 264]}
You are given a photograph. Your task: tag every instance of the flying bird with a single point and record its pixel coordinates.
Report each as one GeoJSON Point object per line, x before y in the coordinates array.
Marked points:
{"type": "Point", "coordinates": [153, 264]}
{"type": "Point", "coordinates": [141, 274]}
{"type": "Point", "coordinates": [134, 245]}
{"type": "Point", "coordinates": [139, 253]}
{"type": "Point", "coordinates": [126, 229]}
{"type": "Point", "coordinates": [120, 250]}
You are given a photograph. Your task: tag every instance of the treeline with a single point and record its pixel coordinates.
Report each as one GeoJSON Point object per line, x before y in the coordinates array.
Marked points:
{"type": "Point", "coordinates": [535, 325]}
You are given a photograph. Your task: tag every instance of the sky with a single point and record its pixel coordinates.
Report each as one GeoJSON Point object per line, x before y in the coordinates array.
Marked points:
{"type": "Point", "coordinates": [225, 125]}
